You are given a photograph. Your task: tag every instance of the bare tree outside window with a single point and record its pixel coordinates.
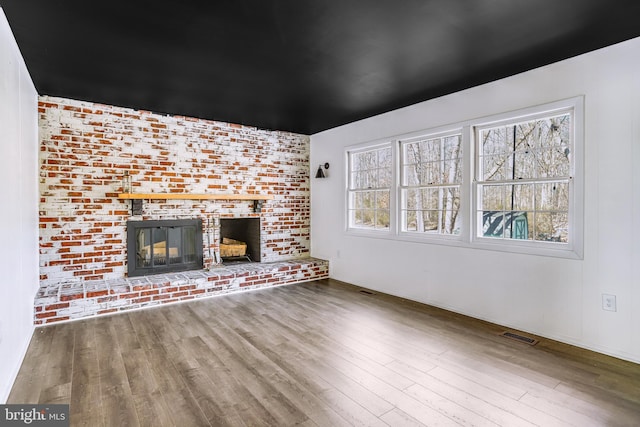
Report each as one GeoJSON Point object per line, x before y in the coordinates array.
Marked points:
{"type": "Point", "coordinates": [431, 179]}
{"type": "Point", "coordinates": [370, 175]}
{"type": "Point", "coordinates": [524, 176]}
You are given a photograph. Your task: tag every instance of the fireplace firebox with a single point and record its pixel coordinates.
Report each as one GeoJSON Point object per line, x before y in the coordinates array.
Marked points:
{"type": "Point", "coordinates": [164, 246]}
{"type": "Point", "coordinates": [245, 231]}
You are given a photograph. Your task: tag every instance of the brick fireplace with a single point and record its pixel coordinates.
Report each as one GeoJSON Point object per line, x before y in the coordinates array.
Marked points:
{"type": "Point", "coordinates": [86, 149]}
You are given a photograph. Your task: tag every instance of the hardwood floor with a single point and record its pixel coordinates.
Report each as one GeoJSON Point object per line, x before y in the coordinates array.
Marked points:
{"type": "Point", "coordinates": [317, 354]}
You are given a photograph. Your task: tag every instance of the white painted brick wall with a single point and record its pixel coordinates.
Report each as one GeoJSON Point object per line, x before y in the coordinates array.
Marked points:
{"type": "Point", "coordinates": [86, 147]}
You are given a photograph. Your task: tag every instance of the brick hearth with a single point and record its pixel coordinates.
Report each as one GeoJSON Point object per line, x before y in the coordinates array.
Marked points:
{"type": "Point", "coordinates": [83, 298]}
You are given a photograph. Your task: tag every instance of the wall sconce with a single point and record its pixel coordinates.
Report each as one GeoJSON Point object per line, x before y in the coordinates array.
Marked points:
{"type": "Point", "coordinates": [321, 173]}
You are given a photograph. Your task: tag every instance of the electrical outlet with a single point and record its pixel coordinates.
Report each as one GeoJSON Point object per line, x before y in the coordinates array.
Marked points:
{"type": "Point", "coordinates": [609, 302]}
{"type": "Point", "coordinates": [338, 254]}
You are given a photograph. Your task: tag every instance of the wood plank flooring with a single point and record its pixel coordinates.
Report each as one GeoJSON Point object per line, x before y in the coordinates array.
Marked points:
{"type": "Point", "coordinates": [317, 354]}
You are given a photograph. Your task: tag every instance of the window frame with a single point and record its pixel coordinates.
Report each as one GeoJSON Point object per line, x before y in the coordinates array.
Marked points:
{"type": "Point", "coordinates": [574, 247]}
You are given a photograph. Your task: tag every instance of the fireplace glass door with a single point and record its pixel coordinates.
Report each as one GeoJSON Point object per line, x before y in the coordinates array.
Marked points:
{"type": "Point", "coordinates": [163, 246]}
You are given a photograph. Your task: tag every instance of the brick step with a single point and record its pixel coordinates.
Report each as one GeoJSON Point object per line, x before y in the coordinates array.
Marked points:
{"type": "Point", "coordinates": [70, 301]}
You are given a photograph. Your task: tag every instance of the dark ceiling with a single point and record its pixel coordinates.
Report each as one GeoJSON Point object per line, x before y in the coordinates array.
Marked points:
{"type": "Point", "coordinates": [298, 65]}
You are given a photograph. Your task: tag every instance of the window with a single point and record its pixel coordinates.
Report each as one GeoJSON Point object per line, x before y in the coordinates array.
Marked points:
{"type": "Point", "coordinates": [509, 182]}
{"type": "Point", "coordinates": [523, 175]}
{"type": "Point", "coordinates": [431, 176]}
{"type": "Point", "coordinates": [369, 190]}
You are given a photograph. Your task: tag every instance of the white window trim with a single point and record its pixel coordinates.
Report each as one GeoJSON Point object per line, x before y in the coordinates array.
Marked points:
{"type": "Point", "coordinates": [468, 190]}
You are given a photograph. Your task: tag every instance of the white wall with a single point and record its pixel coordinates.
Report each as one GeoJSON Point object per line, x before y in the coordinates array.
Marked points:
{"type": "Point", "coordinates": [556, 298]}
{"type": "Point", "coordinates": [18, 207]}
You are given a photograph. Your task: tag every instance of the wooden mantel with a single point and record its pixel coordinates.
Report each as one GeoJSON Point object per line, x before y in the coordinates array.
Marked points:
{"type": "Point", "coordinates": [137, 198]}
{"type": "Point", "coordinates": [189, 196]}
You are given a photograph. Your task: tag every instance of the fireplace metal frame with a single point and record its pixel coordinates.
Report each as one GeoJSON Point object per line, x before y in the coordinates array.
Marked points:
{"type": "Point", "coordinates": [132, 226]}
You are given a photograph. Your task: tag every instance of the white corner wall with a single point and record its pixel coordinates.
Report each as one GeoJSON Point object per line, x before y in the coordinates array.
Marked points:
{"type": "Point", "coordinates": [555, 298]}
{"type": "Point", "coordinates": [19, 211]}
